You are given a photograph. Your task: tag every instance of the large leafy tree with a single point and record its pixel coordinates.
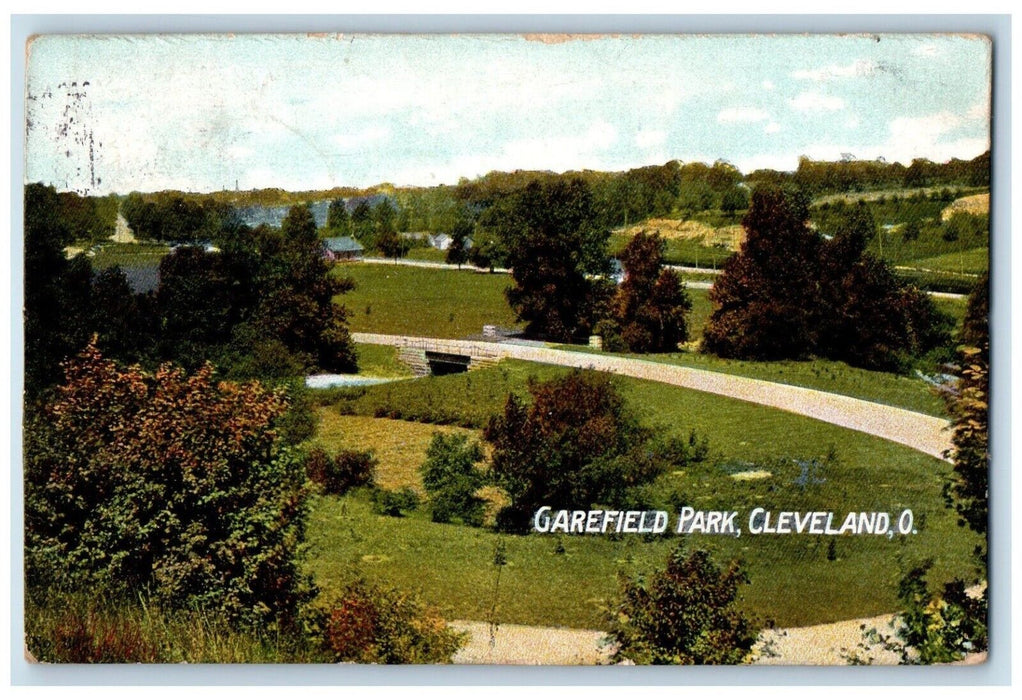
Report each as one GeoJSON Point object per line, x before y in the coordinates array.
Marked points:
{"type": "Point", "coordinates": [296, 290]}
{"type": "Point", "coordinates": [167, 483]}
{"type": "Point", "coordinates": [790, 294]}
{"type": "Point", "coordinates": [651, 302]}
{"type": "Point", "coordinates": [575, 445]}
{"type": "Point", "coordinates": [765, 296]}
{"type": "Point", "coordinates": [555, 249]}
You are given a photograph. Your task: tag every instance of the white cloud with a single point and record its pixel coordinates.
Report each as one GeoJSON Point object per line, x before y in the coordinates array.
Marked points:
{"type": "Point", "coordinates": [919, 133]}
{"type": "Point", "coordinates": [855, 69]}
{"type": "Point", "coordinates": [742, 115]}
{"type": "Point", "coordinates": [772, 128]}
{"type": "Point", "coordinates": [815, 102]}
{"type": "Point", "coordinates": [852, 123]}
{"type": "Point", "coordinates": [650, 138]}
{"type": "Point", "coordinates": [768, 85]}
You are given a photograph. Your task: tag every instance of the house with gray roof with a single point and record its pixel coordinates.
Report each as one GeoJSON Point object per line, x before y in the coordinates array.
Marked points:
{"type": "Point", "coordinates": [342, 248]}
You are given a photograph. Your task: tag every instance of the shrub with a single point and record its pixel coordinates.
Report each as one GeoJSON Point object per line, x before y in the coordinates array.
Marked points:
{"type": "Point", "coordinates": [395, 503]}
{"type": "Point", "coordinates": [451, 479]}
{"type": "Point", "coordinates": [344, 471]}
{"type": "Point", "coordinates": [374, 625]}
{"type": "Point", "coordinates": [685, 614]}
{"type": "Point", "coordinates": [169, 483]}
{"type": "Point", "coordinates": [932, 628]}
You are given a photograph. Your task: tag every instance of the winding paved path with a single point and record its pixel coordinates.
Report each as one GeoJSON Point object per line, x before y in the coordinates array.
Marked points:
{"type": "Point", "coordinates": [928, 434]}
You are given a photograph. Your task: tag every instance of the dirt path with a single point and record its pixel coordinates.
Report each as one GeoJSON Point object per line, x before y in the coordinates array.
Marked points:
{"type": "Point", "coordinates": [530, 646]}
{"type": "Point", "coordinates": [927, 434]}
{"type": "Point", "coordinates": [817, 645]}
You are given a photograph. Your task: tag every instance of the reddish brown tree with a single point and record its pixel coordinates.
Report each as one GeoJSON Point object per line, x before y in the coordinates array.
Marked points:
{"type": "Point", "coordinates": [166, 482]}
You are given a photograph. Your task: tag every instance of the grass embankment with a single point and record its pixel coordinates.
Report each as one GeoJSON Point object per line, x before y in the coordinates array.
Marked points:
{"type": "Point", "coordinates": [380, 361]}
{"type": "Point", "coordinates": [423, 301]}
{"type": "Point", "coordinates": [904, 391]}
{"type": "Point", "coordinates": [427, 254]}
{"type": "Point", "coordinates": [679, 251]}
{"type": "Point", "coordinates": [793, 581]}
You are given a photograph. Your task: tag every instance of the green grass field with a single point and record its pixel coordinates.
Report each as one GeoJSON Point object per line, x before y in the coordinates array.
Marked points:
{"type": "Point", "coordinates": [129, 254]}
{"type": "Point", "coordinates": [424, 253]}
{"type": "Point", "coordinates": [974, 261]}
{"type": "Point", "coordinates": [792, 580]}
{"type": "Point", "coordinates": [422, 301]}
{"type": "Point", "coordinates": [680, 251]}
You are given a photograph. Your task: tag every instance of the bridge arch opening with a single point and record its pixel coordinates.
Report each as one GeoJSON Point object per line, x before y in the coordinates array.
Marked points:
{"type": "Point", "coordinates": [441, 363]}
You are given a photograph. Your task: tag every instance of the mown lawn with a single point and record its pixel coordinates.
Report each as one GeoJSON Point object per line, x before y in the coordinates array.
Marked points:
{"type": "Point", "coordinates": [974, 261]}
{"type": "Point", "coordinates": [421, 301]}
{"type": "Point", "coordinates": [400, 446]}
{"type": "Point", "coordinates": [793, 581]}
{"type": "Point", "coordinates": [679, 251]}
{"type": "Point", "coordinates": [129, 254]}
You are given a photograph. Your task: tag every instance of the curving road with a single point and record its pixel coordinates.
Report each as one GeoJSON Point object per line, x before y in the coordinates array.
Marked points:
{"type": "Point", "coordinates": [928, 434]}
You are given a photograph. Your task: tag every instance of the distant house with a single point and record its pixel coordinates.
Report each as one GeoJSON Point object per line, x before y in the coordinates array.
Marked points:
{"type": "Point", "coordinates": [440, 241]}
{"type": "Point", "coordinates": [342, 248]}
{"type": "Point", "coordinates": [617, 271]}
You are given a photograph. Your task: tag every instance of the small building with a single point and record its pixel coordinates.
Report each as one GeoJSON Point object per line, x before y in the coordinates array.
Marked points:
{"type": "Point", "coordinates": [617, 271]}
{"type": "Point", "coordinates": [440, 241]}
{"type": "Point", "coordinates": [342, 248]}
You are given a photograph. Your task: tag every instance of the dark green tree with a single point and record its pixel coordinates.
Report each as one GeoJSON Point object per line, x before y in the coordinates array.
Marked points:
{"type": "Point", "coordinates": [391, 245]}
{"type": "Point", "coordinates": [555, 250]}
{"type": "Point", "coordinates": [790, 294]}
{"type": "Point", "coordinates": [385, 217]}
{"type": "Point", "coordinates": [296, 298]}
{"type": "Point", "coordinates": [651, 302]}
{"type": "Point", "coordinates": [362, 224]}
{"type": "Point", "coordinates": [451, 479]}
{"type": "Point", "coordinates": [487, 251]}
{"type": "Point", "coordinates": [765, 297]}
{"type": "Point", "coordinates": [56, 290]}
{"type": "Point", "coordinates": [338, 222]}
{"type": "Point", "coordinates": [734, 199]}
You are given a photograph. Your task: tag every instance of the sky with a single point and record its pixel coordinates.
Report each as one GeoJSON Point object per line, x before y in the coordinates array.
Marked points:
{"type": "Point", "coordinates": [299, 112]}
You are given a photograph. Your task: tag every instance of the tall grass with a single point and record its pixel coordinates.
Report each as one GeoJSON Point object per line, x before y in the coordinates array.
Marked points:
{"type": "Point", "coordinates": [80, 628]}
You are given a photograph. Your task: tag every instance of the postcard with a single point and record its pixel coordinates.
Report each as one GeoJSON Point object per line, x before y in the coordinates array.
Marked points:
{"type": "Point", "coordinates": [544, 349]}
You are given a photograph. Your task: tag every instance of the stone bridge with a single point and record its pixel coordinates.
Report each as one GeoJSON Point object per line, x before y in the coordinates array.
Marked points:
{"type": "Point", "coordinates": [928, 434]}
{"type": "Point", "coordinates": [438, 355]}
